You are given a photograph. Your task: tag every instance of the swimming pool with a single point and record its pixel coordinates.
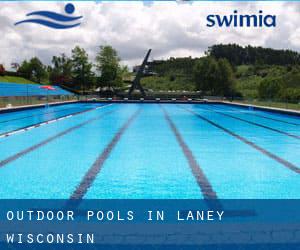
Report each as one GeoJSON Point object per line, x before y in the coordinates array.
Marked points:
{"type": "Point", "coordinates": [172, 151]}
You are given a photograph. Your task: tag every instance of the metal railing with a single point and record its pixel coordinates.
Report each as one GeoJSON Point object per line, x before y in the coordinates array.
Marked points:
{"type": "Point", "coordinates": [274, 103]}
{"type": "Point", "coordinates": [15, 101]}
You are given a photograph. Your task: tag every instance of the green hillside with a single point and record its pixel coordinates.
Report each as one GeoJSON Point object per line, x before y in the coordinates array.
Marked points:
{"type": "Point", "coordinates": [15, 79]}
{"type": "Point", "coordinates": [274, 82]}
{"type": "Point", "coordinates": [243, 73]}
{"type": "Point", "coordinates": [165, 83]}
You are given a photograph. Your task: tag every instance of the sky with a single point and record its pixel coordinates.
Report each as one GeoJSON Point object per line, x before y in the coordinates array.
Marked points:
{"type": "Point", "coordinates": [171, 29]}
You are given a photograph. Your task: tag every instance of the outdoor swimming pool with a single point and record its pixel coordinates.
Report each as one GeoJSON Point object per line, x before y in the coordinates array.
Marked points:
{"type": "Point", "coordinates": [173, 151]}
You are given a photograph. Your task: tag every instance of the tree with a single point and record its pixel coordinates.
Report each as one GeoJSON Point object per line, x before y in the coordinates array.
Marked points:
{"type": "Point", "coordinates": [214, 76]}
{"type": "Point", "coordinates": [25, 69]}
{"type": "Point", "coordinates": [81, 69]}
{"type": "Point", "coordinates": [61, 71]}
{"type": "Point", "coordinates": [108, 65]}
{"type": "Point", "coordinates": [2, 70]}
{"type": "Point", "coordinates": [38, 70]}
{"type": "Point", "coordinates": [238, 55]}
{"type": "Point", "coordinates": [205, 73]}
{"type": "Point", "coordinates": [224, 84]}
{"type": "Point", "coordinates": [270, 88]}
{"type": "Point", "coordinates": [33, 70]}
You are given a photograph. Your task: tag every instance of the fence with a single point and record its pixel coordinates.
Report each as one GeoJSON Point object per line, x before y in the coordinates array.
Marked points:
{"type": "Point", "coordinates": [287, 104]}
{"type": "Point", "coordinates": [14, 94]}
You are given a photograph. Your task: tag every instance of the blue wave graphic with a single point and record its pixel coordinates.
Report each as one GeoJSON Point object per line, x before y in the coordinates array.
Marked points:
{"type": "Point", "coordinates": [48, 24]}
{"type": "Point", "coordinates": [54, 16]}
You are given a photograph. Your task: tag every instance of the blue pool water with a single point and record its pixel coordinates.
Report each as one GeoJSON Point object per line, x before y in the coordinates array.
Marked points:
{"type": "Point", "coordinates": [17, 120]}
{"type": "Point", "coordinates": [149, 151]}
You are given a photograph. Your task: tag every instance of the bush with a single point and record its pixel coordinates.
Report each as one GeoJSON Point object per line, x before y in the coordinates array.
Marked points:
{"type": "Point", "coordinates": [279, 89]}
{"type": "Point", "coordinates": [2, 70]}
{"type": "Point", "coordinates": [290, 95]}
{"type": "Point", "coordinates": [172, 78]}
{"type": "Point", "coordinates": [270, 88]}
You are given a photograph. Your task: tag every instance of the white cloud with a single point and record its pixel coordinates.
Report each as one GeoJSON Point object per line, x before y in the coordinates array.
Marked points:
{"type": "Point", "coordinates": [170, 29]}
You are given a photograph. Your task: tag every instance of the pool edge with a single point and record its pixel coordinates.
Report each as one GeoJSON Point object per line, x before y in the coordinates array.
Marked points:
{"type": "Point", "coordinates": [242, 105]}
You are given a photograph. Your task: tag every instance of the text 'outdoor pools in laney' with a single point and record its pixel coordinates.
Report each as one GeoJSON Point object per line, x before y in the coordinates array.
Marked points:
{"type": "Point", "coordinates": [109, 215]}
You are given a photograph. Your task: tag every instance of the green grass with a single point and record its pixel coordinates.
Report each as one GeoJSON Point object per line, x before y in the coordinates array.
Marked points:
{"type": "Point", "coordinates": [15, 79]}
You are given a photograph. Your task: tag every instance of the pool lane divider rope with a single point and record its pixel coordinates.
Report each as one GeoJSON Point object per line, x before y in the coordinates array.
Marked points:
{"type": "Point", "coordinates": [27, 128]}
{"type": "Point", "coordinates": [94, 170]}
{"type": "Point", "coordinates": [256, 124]}
{"type": "Point", "coordinates": [205, 186]}
{"type": "Point", "coordinates": [280, 160]}
{"type": "Point", "coordinates": [50, 139]}
{"type": "Point", "coordinates": [262, 116]}
{"type": "Point", "coordinates": [38, 114]}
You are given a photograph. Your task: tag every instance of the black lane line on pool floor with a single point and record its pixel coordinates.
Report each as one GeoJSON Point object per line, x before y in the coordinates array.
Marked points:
{"type": "Point", "coordinates": [50, 139]}
{"type": "Point", "coordinates": [94, 170]}
{"type": "Point", "coordinates": [6, 134]}
{"type": "Point", "coordinates": [273, 119]}
{"type": "Point", "coordinates": [256, 124]}
{"type": "Point", "coordinates": [206, 188]}
{"type": "Point", "coordinates": [266, 117]}
{"type": "Point", "coordinates": [283, 162]}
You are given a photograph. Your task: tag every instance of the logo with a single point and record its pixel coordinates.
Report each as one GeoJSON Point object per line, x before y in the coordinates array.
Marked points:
{"type": "Point", "coordinates": [54, 20]}
{"type": "Point", "coordinates": [239, 20]}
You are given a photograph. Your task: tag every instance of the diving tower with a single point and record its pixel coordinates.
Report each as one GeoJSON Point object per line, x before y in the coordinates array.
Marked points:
{"type": "Point", "coordinates": [136, 82]}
